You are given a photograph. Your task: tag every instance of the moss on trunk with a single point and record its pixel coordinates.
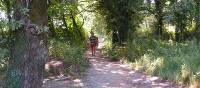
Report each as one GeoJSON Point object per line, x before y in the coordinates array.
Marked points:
{"type": "Point", "coordinates": [29, 49]}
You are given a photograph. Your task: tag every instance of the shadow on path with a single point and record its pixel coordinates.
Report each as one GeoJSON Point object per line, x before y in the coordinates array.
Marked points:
{"type": "Point", "coordinates": [105, 74]}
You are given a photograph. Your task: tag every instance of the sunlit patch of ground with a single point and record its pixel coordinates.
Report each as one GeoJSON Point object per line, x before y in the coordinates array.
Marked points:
{"type": "Point", "coordinates": [105, 74]}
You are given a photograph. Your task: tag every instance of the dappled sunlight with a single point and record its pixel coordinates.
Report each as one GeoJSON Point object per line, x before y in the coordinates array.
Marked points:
{"type": "Point", "coordinates": [78, 83]}
{"type": "Point", "coordinates": [52, 44]}
{"type": "Point", "coordinates": [105, 74]}
{"type": "Point", "coordinates": [171, 28]}
{"type": "Point", "coordinates": [154, 78]}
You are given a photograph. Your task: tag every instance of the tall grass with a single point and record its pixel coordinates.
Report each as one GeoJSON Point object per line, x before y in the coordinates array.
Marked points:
{"type": "Point", "coordinates": [179, 62]}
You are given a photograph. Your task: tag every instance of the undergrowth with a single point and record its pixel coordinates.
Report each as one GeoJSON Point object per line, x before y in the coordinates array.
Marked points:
{"type": "Point", "coordinates": [73, 56]}
{"type": "Point", "coordinates": [112, 52]}
{"type": "Point", "coordinates": [178, 62]}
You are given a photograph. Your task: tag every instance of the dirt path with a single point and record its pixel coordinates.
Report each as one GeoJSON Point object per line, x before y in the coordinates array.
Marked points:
{"type": "Point", "coordinates": [105, 74]}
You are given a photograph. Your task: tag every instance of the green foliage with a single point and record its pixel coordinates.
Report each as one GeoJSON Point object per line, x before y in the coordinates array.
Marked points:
{"type": "Point", "coordinates": [182, 14]}
{"type": "Point", "coordinates": [73, 56]}
{"type": "Point", "coordinates": [111, 52]}
{"type": "Point", "coordinates": [5, 42]}
{"type": "Point", "coordinates": [173, 61]}
{"type": "Point", "coordinates": [66, 22]}
{"type": "Point", "coordinates": [121, 16]}
{"type": "Point", "coordinates": [99, 26]}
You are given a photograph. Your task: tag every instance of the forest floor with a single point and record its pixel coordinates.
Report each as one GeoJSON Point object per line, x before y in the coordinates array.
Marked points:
{"type": "Point", "coordinates": [106, 74]}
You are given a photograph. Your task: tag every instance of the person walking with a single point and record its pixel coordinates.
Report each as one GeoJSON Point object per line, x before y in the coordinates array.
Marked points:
{"type": "Point", "coordinates": [93, 43]}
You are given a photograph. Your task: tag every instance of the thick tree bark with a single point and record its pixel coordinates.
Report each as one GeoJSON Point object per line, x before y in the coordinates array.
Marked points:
{"type": "Point", "coordinates": [197, 19]}
{"type": "Point", "coordinates": [159, 17]}
{"type": "Point", "coordinates": [115, 37]}
{"type": "Point", "coordinates": [177, 34]}
{"type": "Point", "coordinates": [29, 49]}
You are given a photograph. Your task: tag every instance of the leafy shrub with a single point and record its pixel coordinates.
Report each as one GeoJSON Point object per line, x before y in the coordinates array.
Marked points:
{"type": "Point", "coordinates": [137, 48]}
{"type": "Point", "coordinates": [73, 56]}
{"type": "Point", "coordinates": [113, 52]}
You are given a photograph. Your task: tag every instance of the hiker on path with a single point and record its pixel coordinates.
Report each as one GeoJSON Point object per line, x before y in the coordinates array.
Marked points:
{"type": "Point", "coordinates": [93, 43]}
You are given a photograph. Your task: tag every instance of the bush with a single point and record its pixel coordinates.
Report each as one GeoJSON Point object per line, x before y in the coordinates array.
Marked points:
{"type": "Point", "coordinates": [113, 52]}
{"type": "Point", "coordinates": [72, 56]}
{"type": "Point", "coordinates": [137, 48]}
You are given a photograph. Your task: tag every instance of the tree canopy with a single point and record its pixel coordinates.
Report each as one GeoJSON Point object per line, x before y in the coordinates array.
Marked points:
{"type": "Point", "coordinates": [135, 29]}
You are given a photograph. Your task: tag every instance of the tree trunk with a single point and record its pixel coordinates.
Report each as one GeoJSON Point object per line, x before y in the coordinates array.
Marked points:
{"type": "Point", "coordinates": [67, 31]}
{"type": "Point", "coordinates": [115, 37]}
{"type": "Point", "coordinates": [64, 22]}
{"type": "Point", "coordinates": [29, 49]}
{"type": "Point", "coordinates": [197, 19]}
{"type": "Point", "coordinates": [159, 17]}
{"type": "Point", "coordinates": [75, 26]}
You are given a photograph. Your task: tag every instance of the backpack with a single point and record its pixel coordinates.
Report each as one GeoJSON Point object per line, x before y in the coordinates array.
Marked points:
{"type": "Point", "coordinates": [93, 39]}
